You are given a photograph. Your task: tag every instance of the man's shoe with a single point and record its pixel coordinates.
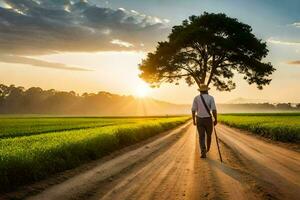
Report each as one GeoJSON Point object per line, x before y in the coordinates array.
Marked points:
{"type": "Point", "coordinates": [203, 156]}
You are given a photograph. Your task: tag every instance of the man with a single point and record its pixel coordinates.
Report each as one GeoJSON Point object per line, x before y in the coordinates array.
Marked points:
{"type": "Point", "coordinates": [203, 119]}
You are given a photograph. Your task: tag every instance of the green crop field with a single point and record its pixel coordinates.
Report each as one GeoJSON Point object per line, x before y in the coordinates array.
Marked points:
{"type": "Point", "coordinates": [283, 127]}
{"type": "Point", "coordinates": [34, 148]}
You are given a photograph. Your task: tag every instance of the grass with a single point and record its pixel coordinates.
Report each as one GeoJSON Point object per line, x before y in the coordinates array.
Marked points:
{"type": "Point", "coordinates": [283, 127]}
{"type": "Point", "coordinates": [16, 127]}
{"type": "Point", "coordinates": [34, 148]}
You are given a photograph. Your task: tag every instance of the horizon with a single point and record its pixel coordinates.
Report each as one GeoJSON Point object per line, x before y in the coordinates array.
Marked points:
{"type": "Point", "coordinates": [97, 55]}
{"type": "Point", "coordinates": [238, 100]}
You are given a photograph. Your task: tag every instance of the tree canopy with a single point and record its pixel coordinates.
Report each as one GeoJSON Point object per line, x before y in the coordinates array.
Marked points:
{"type": "Point", "coordinates": [208, 49]}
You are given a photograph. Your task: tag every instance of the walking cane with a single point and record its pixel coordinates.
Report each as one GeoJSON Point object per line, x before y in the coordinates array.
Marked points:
{"type": "Point", "coordinates": [217, 141]}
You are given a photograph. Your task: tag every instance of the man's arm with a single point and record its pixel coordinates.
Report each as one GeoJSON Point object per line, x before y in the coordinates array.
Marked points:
{"type": "Point", "coordinates": [194, 109]}
{"type": "Point", "coordinates": [194, 117]}
{"type": "Point", "coordinates": [215, 114]}
{"type": "Point", "coordinates": [214, 111]}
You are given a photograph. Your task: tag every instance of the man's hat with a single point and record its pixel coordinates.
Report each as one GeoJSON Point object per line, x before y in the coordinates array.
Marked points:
{"type": "Point", "coordinates": [203, 88]}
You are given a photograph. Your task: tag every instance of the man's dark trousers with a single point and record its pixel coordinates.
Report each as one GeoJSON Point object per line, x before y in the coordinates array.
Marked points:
{"type": "Point", "coordinates": [205, 127]}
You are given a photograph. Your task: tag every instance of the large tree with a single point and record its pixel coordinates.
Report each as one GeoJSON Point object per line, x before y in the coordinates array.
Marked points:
{"type": "Point", "coordinates": [208, 49]}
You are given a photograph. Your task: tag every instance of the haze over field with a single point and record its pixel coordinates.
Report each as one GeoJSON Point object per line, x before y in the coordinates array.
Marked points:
{"type": "Point", "coordinates": [95, 45]}
{"type": "Point", "coordinates": [18, 100]}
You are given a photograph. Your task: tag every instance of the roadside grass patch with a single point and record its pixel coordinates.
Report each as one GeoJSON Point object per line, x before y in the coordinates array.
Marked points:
{"type": "Point", "coordinates": [25, 159]}
{"type": "Point", "coordinates": [283, 127]}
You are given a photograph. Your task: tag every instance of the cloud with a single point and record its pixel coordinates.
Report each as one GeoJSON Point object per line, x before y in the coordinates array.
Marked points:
{"type": "Point", "coordinates": [296, 24]}
{"type": "Point", "coordinates": [294, 62]}
{"type": "Point", "coordinates": [38, 63]}
{"type": "Point", "coordinates": [167, 20]}
{"type": "Point", "coordinates": [274, 41]}
{"type": "Point", "coordinates": [121, 43]}
{"type": "Point", "coordinates": [40, 27]}
{"type": "Point", "coordinates": [135, 12]}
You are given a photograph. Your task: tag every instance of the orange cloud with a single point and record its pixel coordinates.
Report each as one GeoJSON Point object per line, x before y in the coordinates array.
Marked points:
{"type": "Point", "coordinates": [294, 62]}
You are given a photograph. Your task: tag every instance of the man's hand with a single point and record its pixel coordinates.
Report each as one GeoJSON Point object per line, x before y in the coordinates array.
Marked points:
{"type": "Point", "coordinates": [194, 123]}
{"type": "Point", "coordinates": [215, 122]}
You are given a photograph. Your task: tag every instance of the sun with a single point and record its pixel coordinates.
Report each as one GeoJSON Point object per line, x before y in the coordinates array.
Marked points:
{"type": "Point", "coordinates": [142, 90]}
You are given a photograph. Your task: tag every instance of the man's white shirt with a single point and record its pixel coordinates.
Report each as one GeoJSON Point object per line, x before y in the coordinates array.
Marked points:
{"type": "Point", "coordinates": [199, 107]}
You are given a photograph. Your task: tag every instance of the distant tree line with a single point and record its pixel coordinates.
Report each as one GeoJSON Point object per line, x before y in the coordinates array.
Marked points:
{"type": "Point", "coordinates": [18, 100]}
{"type": "Point", "coordinates": [259, 107]}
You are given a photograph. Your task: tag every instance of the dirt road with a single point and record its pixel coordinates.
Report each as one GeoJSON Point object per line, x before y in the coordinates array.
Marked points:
{"type": "Point", "coordinates": [170, 168]}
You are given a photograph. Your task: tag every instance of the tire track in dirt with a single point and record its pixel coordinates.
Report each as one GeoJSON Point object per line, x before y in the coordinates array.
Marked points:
{"type": "Point", "coordinates": [275, 169]}
{"type": "Point", "coordinates": [158, 178]}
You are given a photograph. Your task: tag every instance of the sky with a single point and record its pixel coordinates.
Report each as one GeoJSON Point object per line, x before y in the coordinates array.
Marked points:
{"type": "Point", "coordinates": [97, 45]}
